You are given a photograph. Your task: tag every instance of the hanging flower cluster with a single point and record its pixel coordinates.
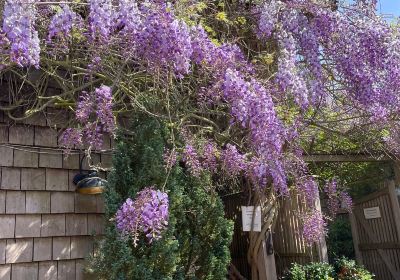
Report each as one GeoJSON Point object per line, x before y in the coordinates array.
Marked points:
{"type": "Point", "coordinates": [210, 152]}
{"type": "Point", "coordinates": [337, 199]}
{"type": "Point", "coordinates": [101, 19]}
{"type": "Point", "coordinates": [360, 45]}
{"type": "Point", "coordinates": [94, 114]}
{"type": "Point", "coordinates": [61, 24]}
{"type": "Point", "coordinates": [165, 42]}
{"type": "Point", "coordinates": [147, 214]}
{"type": "Point", "coordinates": [19, 26]}
{"type": "Point", "coordinates": [169, 157]}
{"type": "Point", "coordinates": [314, 227]}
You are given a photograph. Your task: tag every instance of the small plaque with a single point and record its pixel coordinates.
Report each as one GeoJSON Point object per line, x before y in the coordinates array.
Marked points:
{"type": "Point", "coordinates": [372, 213]}
{"type": "Point", "coordinates": [247, 218]}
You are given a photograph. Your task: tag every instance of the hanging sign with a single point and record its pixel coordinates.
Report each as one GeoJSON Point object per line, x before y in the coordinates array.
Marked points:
{"type": "Point", "coordinates": [372, 213]}
{"type": "Point", "coordinates": [247, 218]}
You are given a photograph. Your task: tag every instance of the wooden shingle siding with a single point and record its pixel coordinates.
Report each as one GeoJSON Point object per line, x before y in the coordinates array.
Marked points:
{"type": "Point", "coordinates": [45, 227]}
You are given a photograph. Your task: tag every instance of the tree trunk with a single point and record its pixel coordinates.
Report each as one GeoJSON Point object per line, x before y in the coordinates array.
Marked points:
{"type": "Point", "coordinates": [262, 264]}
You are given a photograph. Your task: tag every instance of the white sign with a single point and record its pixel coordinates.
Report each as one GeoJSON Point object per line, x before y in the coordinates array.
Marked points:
{"type": "Point", "coordinates": [372, 213]}
{"type": "Point", "coordinates": [247, 218]}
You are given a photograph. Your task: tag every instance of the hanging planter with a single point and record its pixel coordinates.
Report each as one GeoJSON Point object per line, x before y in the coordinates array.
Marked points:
{"type": "Point", "coordinates": [88, 182]}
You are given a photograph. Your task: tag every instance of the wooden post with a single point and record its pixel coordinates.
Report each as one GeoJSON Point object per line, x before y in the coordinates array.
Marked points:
{"type": "Point", "coordinates": [266, 264]}
{"type": "Point", "coordinates": [396, 169]}
{"type": "Point", "coordinates": [322, 248]}
{"type": "Point", "coordinates": [395, 207]}
{"type": "Point", "coordinates": [356, 241]}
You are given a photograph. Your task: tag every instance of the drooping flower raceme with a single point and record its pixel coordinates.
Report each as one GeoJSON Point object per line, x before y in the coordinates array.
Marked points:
{"type": "Point", "coordinates": [346, 201]}
{"type": "Point", "coordinates": [216, 59]}
{"type": "Point", "coordinates": [165, 42]}
{"type": "Point", "coordinates": [288, 76]}
{"type": "Point", "coordinates": [309, 189]}
{"type": "Point", "coordinates": [233, 162]}
{"type": "Point", "coordinates": [209, 157]}
{"type": "Point", "coordinates": [129, 17]}
{"type": "Point", "coordinates": [337, 198]}
{"type": "Point", "coordinates": [252, 107]}
{"type": "Point", "coordinates": [62, 23]}
{"type": "Point", "coordinates": [104, 112]}
{"type": "Point", "coordinates": [70, 138]}
{"type": "Point", "coordinates": [101, 19]}
{"type": "Point", "coordinates": [95, 118]}
{"type": "Point", "coordinates": [84, 107]}
{"type": "Point", "coordinates": [331, 191]}
{"type": "Point", "coordinates": [147, 214]}
{"type": "Point", "coordinates": [269, 12]}
{"type": "Point", "coordinates": [19, 26]}
{"type": "Point", "coordinates": [191, 158]}
{"type": "Point", "coordinates": [314, 227]}
{"type": "Point", "coordinates": [169, 157]}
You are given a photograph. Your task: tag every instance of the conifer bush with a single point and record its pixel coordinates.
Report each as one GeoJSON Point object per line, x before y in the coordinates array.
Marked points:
{"type": "Point", "coordinates": [195, 243]}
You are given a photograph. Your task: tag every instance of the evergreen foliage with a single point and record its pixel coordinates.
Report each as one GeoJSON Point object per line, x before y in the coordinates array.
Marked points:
{"type": "Point", "coordinates": [342, 269]}
{"type": "Point", "coordinates": [195, 245]}
{"type": "Point", "coordinates": [339, 239]}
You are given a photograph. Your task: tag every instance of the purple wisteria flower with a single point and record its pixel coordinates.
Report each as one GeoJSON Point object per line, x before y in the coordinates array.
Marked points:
{"type": "Point", "coordinates": [333, 203]}
{"type": "Point", "coordinates": [129, 17]}
{"type": "Point", "coordinates": [337, 199]}
{"type": "Point", "coordinates": [309, 189]}
{"type": "Point", "coordinates": [147, 214]}
{"type": "Point", "coordinates": [269, 12]}
{"type": "Point", "coordinates": [101, 19]}
{"type": "Point", "coordinates": [216, 59]}
{"type": "Point", "coordinates": [104, 104]}
{"type": "Point", "coordinates": [209, 157]}
{"type": "Point", "coordinates": [346, 201]}
{"type": "Point", "coordinates": [70, 138]}
{"type": "Point", "coordinates": [19, 26]}
{"type": "Point", "coordinates": [93, 135]}
{"type": "Point", "coordinates": [191, 159]}
{"type": "Point", "coordinates": [84, 107]}
{"type": "Point", "coordinates": [314, 227]}
{"type": "Point", "coordinates": [288, 76]}
{"type": "Point", "coordinates": [252, 107]}
{"type": "Point", "coordinates": [62, 23]}
{"type": "Point", "coordinates": [95, 118]}
{"type": "Point", "coordinates": [232, 161]}
{"type": "Point", "coordinates": [257, 172]}
{"type": "Point", "coordinates": [170, 158]}
{"type": "Point", "coordinates": [165, 42]}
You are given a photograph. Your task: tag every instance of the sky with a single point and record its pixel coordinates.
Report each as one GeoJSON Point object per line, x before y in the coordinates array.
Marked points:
{"type": "Point", "coordinates": [389, 7]}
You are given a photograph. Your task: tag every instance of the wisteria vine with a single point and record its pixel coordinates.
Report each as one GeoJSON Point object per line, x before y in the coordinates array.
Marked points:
{"type": "Point", "coordinates": [318, 49]}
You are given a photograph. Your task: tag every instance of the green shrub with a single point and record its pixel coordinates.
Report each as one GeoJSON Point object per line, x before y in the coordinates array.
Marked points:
{"type": "Point", "coordinates": [343, 269]}
{"type": "Point", "coordinates": [195, 245]}
{"type": "Point", "coordinates": [340, 239]}
{"type": "Point", "coordinates": [312, 271]}
{"type": "Point", "coordinates": [348, 270]}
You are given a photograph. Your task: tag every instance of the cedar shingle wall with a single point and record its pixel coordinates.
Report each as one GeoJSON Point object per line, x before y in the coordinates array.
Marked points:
{"type": "Point", "coordinates": [46, 229]}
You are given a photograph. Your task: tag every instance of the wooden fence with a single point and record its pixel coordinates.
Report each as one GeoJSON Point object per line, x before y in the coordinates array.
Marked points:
{"type": "Point", "coordinates": [240, 242]}
{"type": "Point", "coordinates": [376, 232]}
{"type": "Point", "coordinates": [288, 243]}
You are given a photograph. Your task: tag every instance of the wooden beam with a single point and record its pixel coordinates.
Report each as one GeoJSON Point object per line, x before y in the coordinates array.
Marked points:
{"type": "Point", "coordinates": [376, 246]}
{"type": "Point", "coordinates": [344, 158]}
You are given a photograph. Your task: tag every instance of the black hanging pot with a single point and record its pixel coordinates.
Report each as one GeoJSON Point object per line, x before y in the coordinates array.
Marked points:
{"type": "Point", "coordinates": [88, 182]}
